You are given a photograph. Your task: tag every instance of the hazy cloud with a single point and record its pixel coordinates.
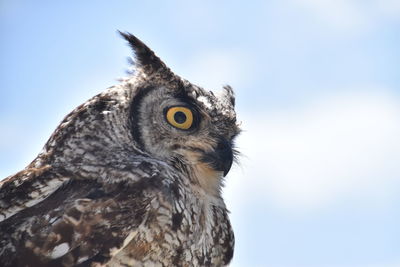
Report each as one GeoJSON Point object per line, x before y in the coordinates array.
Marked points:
{"type": "Point", "coordinates": [351, 15]}
{"type": "Point", "coordinates": [337, 147]}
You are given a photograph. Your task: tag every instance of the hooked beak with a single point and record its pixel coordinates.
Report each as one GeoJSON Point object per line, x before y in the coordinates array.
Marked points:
{"type": "Point", "coordinates": [221, 158]}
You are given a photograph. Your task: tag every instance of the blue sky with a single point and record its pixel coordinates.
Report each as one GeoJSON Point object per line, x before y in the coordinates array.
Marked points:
{"type": "Point", "coordinates": [318, 94]}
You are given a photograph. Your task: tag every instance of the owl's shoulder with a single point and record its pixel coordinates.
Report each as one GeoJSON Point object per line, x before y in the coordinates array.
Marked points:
{"type": "Point", "coordinates": [28, 188]}
{"type": "Point", "coordinates": [81, 220]}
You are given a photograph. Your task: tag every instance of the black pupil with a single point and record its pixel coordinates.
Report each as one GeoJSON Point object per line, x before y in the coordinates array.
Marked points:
{"type": "Point", "coordinates": [180, 117]}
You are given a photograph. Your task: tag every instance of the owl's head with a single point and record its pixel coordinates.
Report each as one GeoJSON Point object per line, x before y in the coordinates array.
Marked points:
{"type": "Point", "coordinates": [181, 123]}
{"type": "Point", "coordinates": [157, 115]}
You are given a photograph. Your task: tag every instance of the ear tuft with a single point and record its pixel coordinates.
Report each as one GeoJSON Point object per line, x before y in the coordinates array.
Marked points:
{"type": "Point", "coordinates": [145, 57]}
{"type": "Point", "coordinates": [229, 94]}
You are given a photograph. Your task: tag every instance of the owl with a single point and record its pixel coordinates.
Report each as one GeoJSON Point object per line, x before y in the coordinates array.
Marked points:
{"type": "Point", "coordinates": [132, 177]}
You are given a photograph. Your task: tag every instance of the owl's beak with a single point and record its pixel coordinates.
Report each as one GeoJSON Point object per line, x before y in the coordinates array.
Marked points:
{"type": "Point", "coordinates": [221, 158]}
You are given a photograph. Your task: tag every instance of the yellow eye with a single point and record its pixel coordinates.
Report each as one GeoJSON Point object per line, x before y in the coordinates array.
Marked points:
{"type": "Point", "coordinates": [180, 117]}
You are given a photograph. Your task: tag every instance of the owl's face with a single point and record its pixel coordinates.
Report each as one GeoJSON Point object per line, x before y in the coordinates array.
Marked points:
{"type": "Point", "coordinates": [186, 124]}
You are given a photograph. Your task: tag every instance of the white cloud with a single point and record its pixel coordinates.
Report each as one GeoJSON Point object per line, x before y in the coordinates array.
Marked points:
{"type": "Point", "coordinates": [341, 14]}
{"type": "Point", "coordinates": [341, 147]}
{"type": "Point", "coordinates": [389, 7]}
{"type": "Point", "coordinates": [351, 15]}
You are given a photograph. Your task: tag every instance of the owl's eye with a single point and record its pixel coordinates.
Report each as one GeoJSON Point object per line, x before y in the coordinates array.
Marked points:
{"type": "Point", "coordinates": [180, 117]}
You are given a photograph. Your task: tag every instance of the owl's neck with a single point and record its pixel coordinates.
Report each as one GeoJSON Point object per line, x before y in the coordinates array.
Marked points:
{"type": "Point", "coordinates": [209, 180]}
{"type": "Point", "coordinates": [198, 175]}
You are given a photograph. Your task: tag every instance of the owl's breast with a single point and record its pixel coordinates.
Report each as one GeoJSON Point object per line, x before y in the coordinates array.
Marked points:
{"type": "Point", "coordinates": [188, 231]}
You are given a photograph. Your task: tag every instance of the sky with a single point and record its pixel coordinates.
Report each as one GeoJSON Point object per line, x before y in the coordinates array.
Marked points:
{"type": "Point", "coordinates": [318, 97]}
